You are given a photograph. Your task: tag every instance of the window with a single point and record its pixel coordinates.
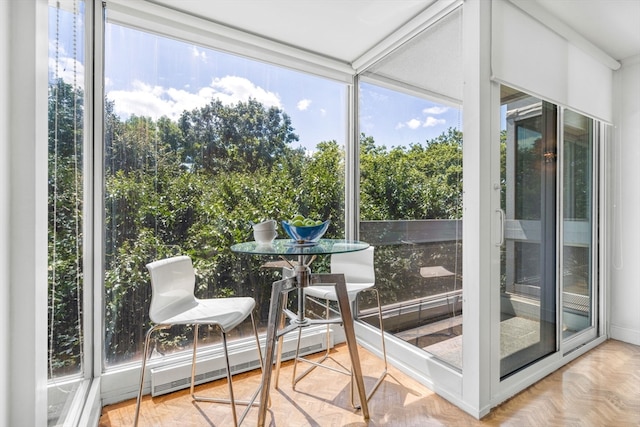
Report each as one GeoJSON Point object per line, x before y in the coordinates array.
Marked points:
{"type": "Point", "coordinates": [411, 187]}
{"type": "Point", "coordinates": [66, 337]}
{"type": "Point", "coordinates": [198, 144]}
{"type": "Point", "coordinates": [410, 210]}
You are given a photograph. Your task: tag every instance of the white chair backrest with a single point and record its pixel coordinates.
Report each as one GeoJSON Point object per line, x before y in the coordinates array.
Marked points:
{"type": "Point", "coordinates": [172, 283]}
{"type": "Point", "coordinates": [357, 267]}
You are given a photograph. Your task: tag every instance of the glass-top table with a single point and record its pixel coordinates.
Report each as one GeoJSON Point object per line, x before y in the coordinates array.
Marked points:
{"type": "Point", "coordinates": [288, 247]}
{"type": "Point", "coordinates": [303, 255]}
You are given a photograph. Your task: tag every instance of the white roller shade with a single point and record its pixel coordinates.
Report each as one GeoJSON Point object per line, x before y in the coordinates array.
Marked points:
{"type": "Point", "coordinates": [528, 55]}
{"type": "Point", "coordinates": [152, 17]}
{"type": "Point", "coordinates": [430, 63]}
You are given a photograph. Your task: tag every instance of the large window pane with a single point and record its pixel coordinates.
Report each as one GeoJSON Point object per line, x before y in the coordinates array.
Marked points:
{"type": "Point", "coordinates": [199, 143]}
{"type": "Point", "coordinates": [410, 210]}
{"type": "Point", "coordinates": [66, 192]}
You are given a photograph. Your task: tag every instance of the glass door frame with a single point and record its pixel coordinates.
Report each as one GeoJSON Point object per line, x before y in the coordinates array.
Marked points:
{"type": "Point", "coordinates": [529, 190]}
{"type": "Point", "coordinates": [581, 342]}
{"type": "Point", "coordinates": [598, 132]}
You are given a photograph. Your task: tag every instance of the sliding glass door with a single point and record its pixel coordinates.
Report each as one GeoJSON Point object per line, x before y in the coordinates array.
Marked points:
{"type": "Point", "coordinates": [547, 275]}
{"type": "Point", "coordinates": [578, 274]}
{"type": "Point", "coordinates": [528, 213]}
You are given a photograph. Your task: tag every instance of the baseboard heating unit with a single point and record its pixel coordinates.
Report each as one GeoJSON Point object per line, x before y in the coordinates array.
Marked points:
{"type": "Point", "coordinates": [243, 357]}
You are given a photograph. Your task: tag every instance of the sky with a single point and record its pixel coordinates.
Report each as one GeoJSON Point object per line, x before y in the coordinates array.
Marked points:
{"type": "Point", "coordinates": [154, 76]}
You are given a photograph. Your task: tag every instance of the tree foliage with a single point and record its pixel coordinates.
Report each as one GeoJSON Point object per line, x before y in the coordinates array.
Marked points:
{"type": "Point", "coordinates": [192, 186]}
{"type": "Point", "coordinates": [415, 182]}
{"type": "Point", "coordinates": [65, 201]}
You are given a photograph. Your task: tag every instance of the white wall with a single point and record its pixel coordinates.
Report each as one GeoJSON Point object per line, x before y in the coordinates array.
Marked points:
{"type": "Point", "coordinates": [23, 213]}
{"type": "Point", "coordinates": [4, 214]}
{"type": "Point", "coordinates": [624, 205]}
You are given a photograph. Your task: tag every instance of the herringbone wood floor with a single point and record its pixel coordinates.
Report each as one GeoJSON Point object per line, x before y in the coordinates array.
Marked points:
{"type": "Point", "coordinates": [601, 388]}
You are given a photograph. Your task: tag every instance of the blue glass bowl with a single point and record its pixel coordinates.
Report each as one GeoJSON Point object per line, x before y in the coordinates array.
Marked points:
{"type": "Point", "coordinates": [306, 234]}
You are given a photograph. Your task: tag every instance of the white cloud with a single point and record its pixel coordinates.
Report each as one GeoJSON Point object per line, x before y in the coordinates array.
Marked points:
{"type": "Point", "coordinates": [199, 53]}
{"type": "Point", "coordinates": [156, 101]}
{"type": "Point", "coordinates": [303, 104]}
{"type": "Point", "coordinates": [432, 121]}
{"type": "Point", "coordinates": [323, 112]}
{"type": "Point", "coordinates": [66, 69]}
{"type": "Point", "coordinates": [435, 110]}
{"type": "Point", "coordinates": [143, 100]}
{"type": "Point", "coordinates": [417, 123]}
{"type": "Point", "coordinates": [232, 89]}
{"type": "Point", "coordinates": [413, 124]}
{"type": "Point", "coordinates": [429, 121]}
{"type": "Point", "coordinates": [367, 124]}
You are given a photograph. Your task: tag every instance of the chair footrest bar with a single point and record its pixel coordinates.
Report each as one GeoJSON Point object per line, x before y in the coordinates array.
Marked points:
{"type": "Point", "coordinates": [221, 400]}
{"type": "Point", "coordinates": [319, 364]}
{"type": "Point", "coordinates": [376, 385]}
{"type": "Point", "coordinates": [342, 370]}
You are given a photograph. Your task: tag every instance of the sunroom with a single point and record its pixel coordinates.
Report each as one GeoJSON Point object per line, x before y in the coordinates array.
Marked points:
{"type": "Point", "coordinates": [484, 148]}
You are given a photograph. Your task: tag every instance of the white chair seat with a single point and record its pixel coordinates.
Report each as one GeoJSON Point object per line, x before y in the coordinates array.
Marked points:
{"type": "Point", "coordinates": [359, 273]}
{"type": "Point", "coordinates": [173, 303]}
{"type": "Point", "coordinates": [227, 313]}
{"type": "Point", "coordinates": [329, 292]}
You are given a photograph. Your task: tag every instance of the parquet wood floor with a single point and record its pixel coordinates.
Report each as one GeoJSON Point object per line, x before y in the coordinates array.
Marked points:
{"type": "Point", "coordinates": [600, 388]}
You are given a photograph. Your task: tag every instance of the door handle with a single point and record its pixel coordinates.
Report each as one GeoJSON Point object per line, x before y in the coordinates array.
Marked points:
{"type": "Point", "coordinates": [501, 218]}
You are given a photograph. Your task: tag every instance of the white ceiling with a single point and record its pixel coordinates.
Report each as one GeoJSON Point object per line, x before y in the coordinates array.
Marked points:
{"type": "Point", "coordinates": [347, 29]}
{"type": "Point", "coordinates": [611, 25]}
{"type": "Point", "coordinates": [339, 29]}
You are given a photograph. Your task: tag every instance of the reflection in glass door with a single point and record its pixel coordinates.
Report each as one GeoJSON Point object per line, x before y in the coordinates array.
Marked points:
{"type": "Point", "coordinates": [536, 170]}
{"type": "Point", "coordinates": [528, 251]}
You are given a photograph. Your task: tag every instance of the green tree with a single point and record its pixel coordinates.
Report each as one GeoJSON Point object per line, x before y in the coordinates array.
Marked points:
{"type": "Point", "coordinates": [65, 202]}
{"type": "Point", "coordinates": [415, 182]}
{"type": "Point", "coordinates": [247, 136]}
{"type": "Point", "coordinates": [191, 187]}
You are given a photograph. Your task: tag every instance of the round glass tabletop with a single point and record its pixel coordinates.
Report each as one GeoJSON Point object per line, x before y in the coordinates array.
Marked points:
{"type": "Point", "coordinates": [290, 247]}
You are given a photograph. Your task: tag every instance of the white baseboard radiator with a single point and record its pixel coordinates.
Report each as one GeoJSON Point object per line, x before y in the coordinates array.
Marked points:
{"type": "Point", "coordinates": [242, 356]}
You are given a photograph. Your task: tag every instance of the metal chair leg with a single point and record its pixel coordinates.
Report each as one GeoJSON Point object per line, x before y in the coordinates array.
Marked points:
{"type": "Point", "coordinates": [231, 400]}
{"type": "Point", "coordinates": [193, 360]}
{"type": "Point", "coordinates": [282, 322]}
{"type": "Point", "coordinates": [320, 363]}
{"type": "Point", "coordinates": [296, 379]}
{"type": "Point", "coordinates": [384, 348]}
{"type": "Point", "coordinates": [145, 355]}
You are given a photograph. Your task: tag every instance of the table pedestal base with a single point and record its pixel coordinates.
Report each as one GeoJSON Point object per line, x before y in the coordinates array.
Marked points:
{"type": "Point", "coordinates": [275, 333]}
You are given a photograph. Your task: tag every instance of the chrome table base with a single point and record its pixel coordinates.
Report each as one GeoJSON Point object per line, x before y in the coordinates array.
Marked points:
{"type": "Point", "coordinates": [277, 328]}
